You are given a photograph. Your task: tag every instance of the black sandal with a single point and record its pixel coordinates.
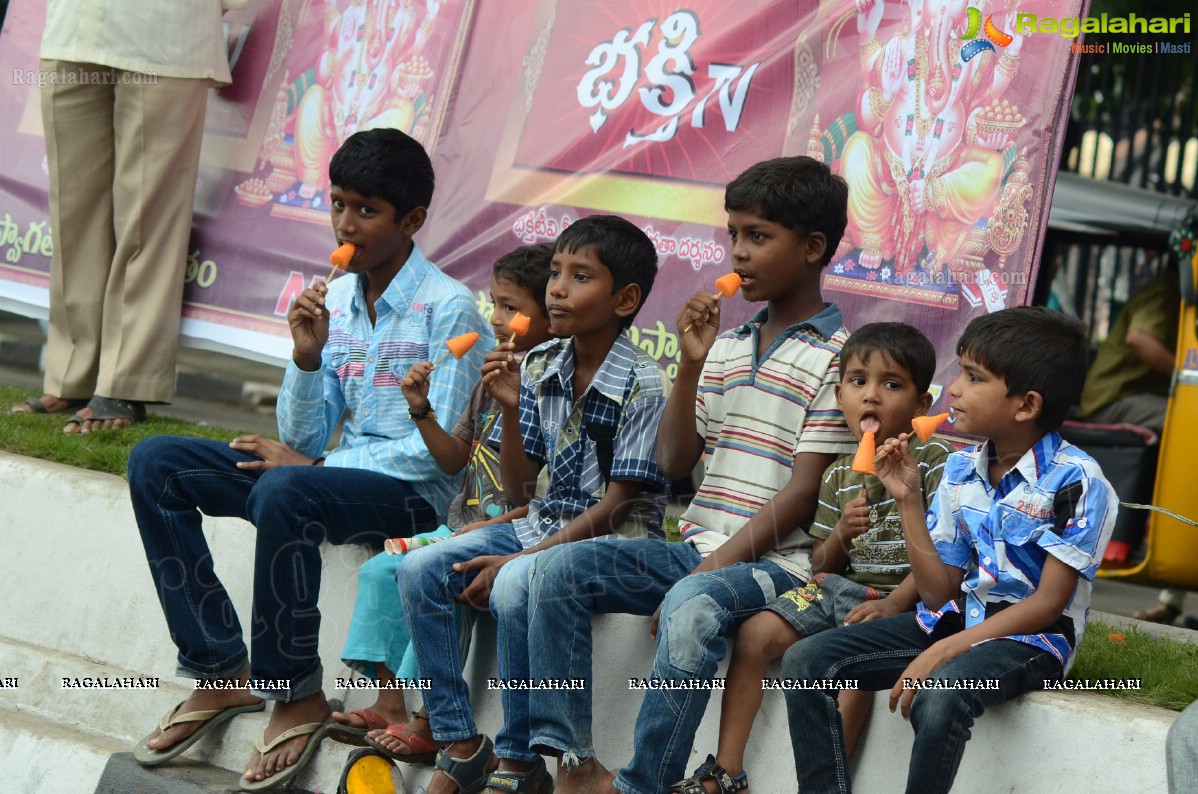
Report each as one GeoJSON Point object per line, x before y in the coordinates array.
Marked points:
{"type": "Point", "coordinates": [711, 769]}
{"type": "Point", "coordinates": [535, 781]}
{"type": "Point", "coordinates": [470, 775]}
{"type": "Point", "coordinates": [108, 408]}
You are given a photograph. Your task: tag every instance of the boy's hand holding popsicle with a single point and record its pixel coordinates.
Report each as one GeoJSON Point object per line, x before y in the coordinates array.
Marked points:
{"type": "Point", "coordinates": [699, 320]}
{"type": "Point", "coordinates": [501, 372]}
{"type": "Point", "coordinates": [308, 320]}
{"type": "Point", "coordinates": [415, 385]}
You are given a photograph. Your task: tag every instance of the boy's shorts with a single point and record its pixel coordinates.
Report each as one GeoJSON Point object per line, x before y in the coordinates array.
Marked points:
{"type": "Point", "coordinates": [822, 604]}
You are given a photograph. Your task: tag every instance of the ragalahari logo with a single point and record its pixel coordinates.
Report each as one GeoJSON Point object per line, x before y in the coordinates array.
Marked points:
{"type": "Point", "coordinates": [975, 47]}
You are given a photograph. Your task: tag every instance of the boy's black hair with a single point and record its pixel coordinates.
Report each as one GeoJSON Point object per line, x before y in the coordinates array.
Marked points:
{"type": "Point", "coordinates": [527, 267]}
{"type": "Point", "coordinates": [623, 249]}
{"type": "Point", "coordinates": [800, 193]}
{"type": "Point", "coordinates": [386, 164]}
{"type": "Point", "coordinates": [1035, 349]}
{"type": "Point", "coordinates": [903, 344]}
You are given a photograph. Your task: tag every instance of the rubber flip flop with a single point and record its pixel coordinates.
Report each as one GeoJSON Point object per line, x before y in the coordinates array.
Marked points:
{"type": "Point", "coordinates": [147, 756]}
{"type": "Point", "coordinates": [315, 731]}
{"type": "Point", "coordinates": [422, 751]}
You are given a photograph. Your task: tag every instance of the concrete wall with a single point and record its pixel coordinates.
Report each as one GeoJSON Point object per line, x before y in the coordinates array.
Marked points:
{"type": "Point", "coordinates": [76, 600]}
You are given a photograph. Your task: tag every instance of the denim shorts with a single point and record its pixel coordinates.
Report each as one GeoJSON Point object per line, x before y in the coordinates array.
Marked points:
{"type": "Point", "coordinates": [822, 604]}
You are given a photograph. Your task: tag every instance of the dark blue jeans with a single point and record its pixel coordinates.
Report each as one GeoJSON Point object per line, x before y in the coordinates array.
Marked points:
{"type": "Point", "coordinates": [294, 509]}
{"type": "Point", "coordinates": [875, 654]}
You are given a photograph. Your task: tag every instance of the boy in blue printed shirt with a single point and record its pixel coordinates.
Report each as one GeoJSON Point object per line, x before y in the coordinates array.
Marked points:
{"type": "Point", "coordinates": [354, 340]}
{"type": "Point", "coordinates": [1017, 527]}
{"type": "Point", "coordinates": [587, 408]}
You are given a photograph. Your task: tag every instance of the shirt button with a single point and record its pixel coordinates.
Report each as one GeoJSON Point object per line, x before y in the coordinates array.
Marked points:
{"type": "Point", "coordinates": [985, 560]}
{"type": "Point", "coordinates": [973, 613]}
{"type": "Point", "coordinates": [569, 431]}
{"type": "Point", "coordinates": [370, 358]}
{"type": "Point", "coordinates": [365, 412]}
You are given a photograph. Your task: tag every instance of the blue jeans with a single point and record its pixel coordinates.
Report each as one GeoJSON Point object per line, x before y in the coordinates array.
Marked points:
{"type": "Point", "coordinates": [294, 509]}
{"type": "Point", "coordinates": [875, 654]}
{"type": "Point", "coordinates": [1181, 751]}
{"type": "Point", "coordinates": [427, 588]}
{"type": "Point", "coordinates": [697, 616]}
{"type": "Point", "coordinates": [551, 630]}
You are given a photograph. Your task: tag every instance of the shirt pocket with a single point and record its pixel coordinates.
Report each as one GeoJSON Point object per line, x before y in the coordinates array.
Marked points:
{"type": "Point", "coordinates": [1017, 529]}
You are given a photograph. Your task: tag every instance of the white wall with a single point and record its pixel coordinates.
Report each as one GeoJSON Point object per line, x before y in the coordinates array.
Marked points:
{"type": "Point", "coordinates": [76, 600]}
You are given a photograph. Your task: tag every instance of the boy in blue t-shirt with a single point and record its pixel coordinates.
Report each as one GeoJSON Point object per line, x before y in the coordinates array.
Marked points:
{"type": "Point", "coordinates": [1003, 559]}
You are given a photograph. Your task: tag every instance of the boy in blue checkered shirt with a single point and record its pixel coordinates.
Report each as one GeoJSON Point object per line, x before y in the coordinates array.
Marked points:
{"type": "Point", "coordinates": [1004, 559]}
{"type": "Point", "coordinates": [585, 408]}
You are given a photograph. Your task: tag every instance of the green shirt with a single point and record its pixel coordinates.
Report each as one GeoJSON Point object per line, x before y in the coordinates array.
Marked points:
{"type": "Point", "coordinates": [1117, 371]}
{"type": "Point", "coordinates": [878, 558]}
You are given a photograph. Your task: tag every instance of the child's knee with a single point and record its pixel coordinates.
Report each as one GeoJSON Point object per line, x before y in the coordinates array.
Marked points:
{"type": "Point", "coordinates": [765, 636]}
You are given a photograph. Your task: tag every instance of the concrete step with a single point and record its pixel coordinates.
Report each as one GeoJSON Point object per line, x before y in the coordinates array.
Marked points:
{"type": "Point", "coordinates": [123, 775]}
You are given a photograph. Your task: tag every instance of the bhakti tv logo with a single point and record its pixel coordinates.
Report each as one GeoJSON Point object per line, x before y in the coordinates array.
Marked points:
{"type": "Point", "coordinates": [995, 36]}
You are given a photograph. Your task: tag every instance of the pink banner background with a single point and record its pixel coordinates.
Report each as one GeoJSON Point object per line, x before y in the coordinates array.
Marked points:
{"type": "Point", "coordinates": [539, 113]}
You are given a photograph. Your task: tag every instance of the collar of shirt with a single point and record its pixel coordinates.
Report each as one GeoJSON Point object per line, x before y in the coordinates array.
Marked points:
{"type": "Point", "coordinates": [825, 323]}
{"type": "Point", "coordinates": [608, 380]}
{"type": "Point", "coordinates": [401, 292]}
{"type": "Point", "coordinates": [1029, 467]}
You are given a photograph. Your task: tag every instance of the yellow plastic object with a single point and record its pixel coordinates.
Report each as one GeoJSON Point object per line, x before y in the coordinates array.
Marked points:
{"type": "Point", "coordinates": [369, 774]}
{"type": "Point", "coordinates": [1172, 558]}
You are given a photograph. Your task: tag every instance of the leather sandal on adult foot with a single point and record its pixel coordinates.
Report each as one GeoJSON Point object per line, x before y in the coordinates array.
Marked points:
{"type": "Point", "coordinates": [105, 409]}
{"type": "Point", "coordinates": [534, 781]}
{"type": "Point", "coordinates": [34, 405]}
{"type": "Point", "coordinates": [711, 769]}
{"type": "Point", "coordinates": [470, 775]}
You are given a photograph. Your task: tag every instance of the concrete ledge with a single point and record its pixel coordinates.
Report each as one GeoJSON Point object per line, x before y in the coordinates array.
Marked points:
{"type": "Point", "coordinates": [78, 602]}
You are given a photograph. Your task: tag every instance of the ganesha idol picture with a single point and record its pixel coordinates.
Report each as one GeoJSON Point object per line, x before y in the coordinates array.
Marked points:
{"type": "Point", "coordinates": [381, 65]}
{"type": "Point", "coordinates": [938, 183]}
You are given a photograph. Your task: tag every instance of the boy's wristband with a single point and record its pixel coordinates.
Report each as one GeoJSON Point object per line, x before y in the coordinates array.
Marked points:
{"type": "Point", "coordinates": [417, 416]}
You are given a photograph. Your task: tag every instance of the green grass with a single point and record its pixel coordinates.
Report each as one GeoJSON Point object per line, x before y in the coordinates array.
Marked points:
{"type": "Point", "coordinates": [41, 436]}
{"type": "Point", "coordinates": [1167, 669]}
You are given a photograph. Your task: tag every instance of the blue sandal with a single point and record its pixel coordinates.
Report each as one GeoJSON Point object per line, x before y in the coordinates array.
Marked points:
{"type": "Point", "coordinates": [711, 769]}
{"type": "Point", "coordinates": [534, 781]}
{"type": "Point", "coordinates": [471, 774]}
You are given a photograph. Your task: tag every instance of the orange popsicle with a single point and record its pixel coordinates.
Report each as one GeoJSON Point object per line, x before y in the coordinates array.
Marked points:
{"type": "Point", "coordinates": [863, 462]}
{"type": "Point", "coordinates": [518, 325]}
{"type": "Point", "coordinates": [340, 258]}
{"type": "Point", "coordinates": [728, 285]}
{"type": "Point", "coordinates": [925, 426]}
{"type": "Point", "coordinates": [460, 345]}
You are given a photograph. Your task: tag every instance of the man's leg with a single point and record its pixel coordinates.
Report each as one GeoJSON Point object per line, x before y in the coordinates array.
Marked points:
{"type": "Point", "coordinates": [509, 605]}
{"type": "Point", "coordinates": [697, 616]}
{"type": "Point", "coordinates": [569, 585]}
{"type": "Point", "coordinates": [1181, 751]}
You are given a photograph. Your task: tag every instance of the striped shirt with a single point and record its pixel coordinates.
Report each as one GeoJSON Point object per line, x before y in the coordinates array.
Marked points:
{"type": "Point", "coordinates": [755, 415]}
{"type": "Point", "coordinates": [620, 412]}
{"type": "Point", "coordinates": [1054, 501]}
{"type": "Point", "coordinates": [878, 558]}
{"type": "Point", "coordinates": [362, 365]}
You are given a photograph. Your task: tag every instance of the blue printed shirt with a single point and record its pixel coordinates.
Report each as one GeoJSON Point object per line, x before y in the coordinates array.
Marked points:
{"type": "Point", "coordinates": [620, 410]}
{"type": "Point", "coordinates": [1054, 501]}
{"type": "Point", "coordinates": [361, 368]}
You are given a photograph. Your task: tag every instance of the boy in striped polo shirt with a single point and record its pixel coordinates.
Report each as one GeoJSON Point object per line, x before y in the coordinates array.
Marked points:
{"type": "Point", "coordinates": [1004, 558]}
{"type": "Point", "coordinates": [758, 404]}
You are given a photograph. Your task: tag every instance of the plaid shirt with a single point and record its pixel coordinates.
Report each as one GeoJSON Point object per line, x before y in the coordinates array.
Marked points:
{"type": "Point", "coordinates": [624, 402]}
{"type": "Point", "coordinates": [1054, 501]}
{"type": "Point", "coordinates": [362, 365]}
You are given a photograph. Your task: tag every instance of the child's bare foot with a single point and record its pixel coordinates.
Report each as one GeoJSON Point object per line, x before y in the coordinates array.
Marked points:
{"type": "Point", "coordinates": [589, 777]}
{"type": "Point", "coordinates": [284, 717]}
